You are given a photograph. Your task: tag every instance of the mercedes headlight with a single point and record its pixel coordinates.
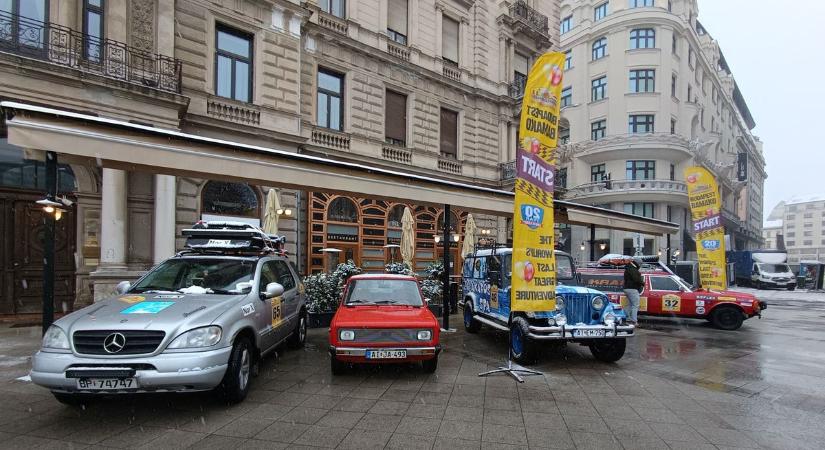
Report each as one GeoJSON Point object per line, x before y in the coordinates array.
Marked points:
{"type": "Point", "coordinates": [55, 338]}
{"type": "Point", "coordinates": [561, 320]}
{"type": "Point", "coordinates": [197, 338]}
{"type": "Point", "coordinates": [598, 302]}
{"type": "Point", "coordinates": [559, 303]}
{"type": "Point", "coordinates": [346, 335]}
{"type": "Point", "coordinates": [425, 335]}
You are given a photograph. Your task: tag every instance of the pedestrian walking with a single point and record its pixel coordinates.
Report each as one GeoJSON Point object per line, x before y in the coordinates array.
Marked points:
{"type": "Point", "coordinates": [633, 286]}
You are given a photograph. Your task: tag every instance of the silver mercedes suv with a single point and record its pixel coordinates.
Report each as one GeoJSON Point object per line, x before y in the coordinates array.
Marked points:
{"type": "Point", "coordinates": [200, 320]}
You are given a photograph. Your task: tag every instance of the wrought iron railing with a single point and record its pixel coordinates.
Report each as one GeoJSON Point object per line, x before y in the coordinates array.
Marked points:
{"type": "Point", "coordinates": [516, 87]}
{"type": "Point", "coordinates": [508, 171]}
{"type": "Point", "coordinates": [66, 47]}
{"type": "Point", "coordinates": [608, 186]}
{"type": "Point", "coordinates": [521, 11]}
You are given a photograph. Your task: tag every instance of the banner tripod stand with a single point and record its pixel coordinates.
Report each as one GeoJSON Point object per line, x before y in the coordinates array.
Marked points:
{"type": "Point", "coordinates": [514, 370]}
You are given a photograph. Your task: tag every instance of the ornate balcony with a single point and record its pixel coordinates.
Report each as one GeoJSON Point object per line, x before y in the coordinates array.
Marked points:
{"type": "Point", "coordinates": [398, 50]}
{"type": "Point", "coordinates": [668, 146]}
{"type": "Point", "coordinates": [325, 137]}
{"type": "Point", "coordinates": [451, 71]}
{"type": "Point", "coordinates": [233, 111]}
{"type": "Point", "coordinates": [70, 48]}
{"type": "Point", "coordinates": [396, 154]}
{"type": "Point", "coordinates": [631, 190]}
{"type": "Point", "coordinates": [449, 165]}
{"type": "Point", "coordinates": [333, 23]}
{"type": "Point", "coordinates": [508, 172]}
{"type": "Point", "coordinates": [528, 20]}
{"type": "Point", "coordinates": [516, 88]}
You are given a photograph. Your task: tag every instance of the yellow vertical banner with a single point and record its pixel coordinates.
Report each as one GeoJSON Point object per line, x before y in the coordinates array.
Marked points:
{"type": "Point", "coordinates": [534, 264]}
{"type": "Point", "coordinates": [706, 212]}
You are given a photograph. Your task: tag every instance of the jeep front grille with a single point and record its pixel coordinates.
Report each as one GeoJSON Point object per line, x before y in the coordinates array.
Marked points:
{"type": "Point", "coordinates": [577, 308]}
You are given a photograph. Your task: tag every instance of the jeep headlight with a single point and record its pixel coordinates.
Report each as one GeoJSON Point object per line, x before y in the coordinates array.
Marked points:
{"type": "Point", "coordinates": [197, 338]}
{"type": "Point", "coordinates": [55, 338]}
{"type": "Point", "coordinates": [598, 302]}
{"type": "Point", "coordinates": [561, 320]}
{"type": "Point", "coordinates": [425, 335]}
{"type": "Point", "coordinates": [559, 303]}
{"type": "Point", "coordinates": [346, 335]}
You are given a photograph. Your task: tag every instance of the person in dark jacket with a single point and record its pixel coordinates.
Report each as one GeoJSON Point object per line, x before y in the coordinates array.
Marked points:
{"type": "Point", "coordinates": [633, 286]}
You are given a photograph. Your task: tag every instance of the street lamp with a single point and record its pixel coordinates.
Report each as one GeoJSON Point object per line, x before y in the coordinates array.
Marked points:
{"type": "Point", "coordinates": [437, 238]}
{"type": "Point", "coordinates": [582, 246]}
{"type": "Point", "coordinates": [456, 237]}
{"type": "Point", "coordinates": [603, 246]}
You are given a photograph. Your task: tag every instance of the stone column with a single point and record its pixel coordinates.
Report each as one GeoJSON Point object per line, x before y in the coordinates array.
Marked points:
{"type": "Point", "coordinates": [502, 63]}
{"type": "Point", "coordinates": [163, 241]}
{"type": "Point", "coordinates": [166, 28]}
{"type": "Point", "coordinates": [113, 221]}
{"type": "Point", "coordinates": [511, 143]}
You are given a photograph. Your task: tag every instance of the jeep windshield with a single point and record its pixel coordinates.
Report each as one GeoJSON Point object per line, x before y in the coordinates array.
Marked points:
{"type": "Point", "coordinates": [199, 276]}
{"type": "Point", "coordinates": [383, 292]}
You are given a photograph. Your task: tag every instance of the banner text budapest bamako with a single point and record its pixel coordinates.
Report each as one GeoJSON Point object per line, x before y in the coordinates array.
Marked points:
{"type": "Point", "coordinates": [534, 264]}
{"type": "Point", "coordinates": [706, 211]}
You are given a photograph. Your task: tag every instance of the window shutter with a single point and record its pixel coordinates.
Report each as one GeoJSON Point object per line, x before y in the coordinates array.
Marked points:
{"type": "Point", "coordinates": [521, 64]}
{"type": "Point", "coordinates": [449, 133]}
{"type": "Point", "coordinates": [397, 16]}
{"type": "Point", "coordinates": [449, 39]}
{"type": "Point", "coordinates": [395, 120]}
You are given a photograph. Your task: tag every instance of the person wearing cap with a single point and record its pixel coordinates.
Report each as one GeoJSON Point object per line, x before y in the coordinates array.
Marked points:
{"type": "Point", "coordinates": [633, 286]}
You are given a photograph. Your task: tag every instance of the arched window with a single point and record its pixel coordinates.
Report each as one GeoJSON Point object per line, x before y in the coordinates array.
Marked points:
{"type": "Point", "coordinates": [21, 173]}
{"type": "Point", "coordinates": [454, 222]}
{"type": "Point", "coordinates": [395, 215]}
{"type": "Point", "coordinates": [230, 199]}
{"type": "Point", "coordinates": [342, 209]}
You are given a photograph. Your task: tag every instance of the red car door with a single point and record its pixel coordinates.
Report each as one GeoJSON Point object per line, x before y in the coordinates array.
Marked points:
{"type": "Point", "coordinates": [670, 297]}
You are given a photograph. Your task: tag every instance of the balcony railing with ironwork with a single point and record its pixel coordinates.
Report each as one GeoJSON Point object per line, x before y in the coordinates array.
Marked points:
{"type": "Point", "coordinates": [66, 47]}
{"type": "Point", "coordinates": [625, 186]}
{"type": "Point", "coordinates": [522, 12]}
{"type": "Point", "coordinates": [516, 87]}
{"type": "Point", "coordinates": [508, 171]}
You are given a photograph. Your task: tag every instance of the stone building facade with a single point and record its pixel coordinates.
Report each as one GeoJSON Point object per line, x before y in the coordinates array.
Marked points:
{"type": "Point", "coordinates": [647, 94]}
{"type": "Point", "coordinates": [797, 225]}
{"type": "Point", "coordinates": [316, 77]}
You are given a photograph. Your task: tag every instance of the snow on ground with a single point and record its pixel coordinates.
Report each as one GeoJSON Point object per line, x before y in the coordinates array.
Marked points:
{"type": "Point", "coordinates": [782, 294]}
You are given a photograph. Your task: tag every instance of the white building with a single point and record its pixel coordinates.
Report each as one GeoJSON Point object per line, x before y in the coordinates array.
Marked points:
{"type": "Point", "coordinates": [647, 94]}
{"type": "Point", "coordinates": [802, 227]}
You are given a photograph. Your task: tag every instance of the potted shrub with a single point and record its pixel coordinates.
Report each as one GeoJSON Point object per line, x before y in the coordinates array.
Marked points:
{"type": "Point", "coordinates": [432, 286]}
{"type": "Point", "coordinates": [323, 291]}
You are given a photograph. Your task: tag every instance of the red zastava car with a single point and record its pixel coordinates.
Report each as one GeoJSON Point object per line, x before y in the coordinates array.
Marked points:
{"type": "Point", "coordinates": [382, 319]}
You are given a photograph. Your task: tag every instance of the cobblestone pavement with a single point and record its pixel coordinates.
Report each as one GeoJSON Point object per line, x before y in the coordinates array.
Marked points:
{"type": "Point", "coordinates": [681, 385]}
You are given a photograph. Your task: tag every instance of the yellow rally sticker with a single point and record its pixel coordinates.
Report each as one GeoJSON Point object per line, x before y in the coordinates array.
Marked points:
{"type": "Point", "coordinates": [626, 305]}
{"type": "Point", "coordinates": [132, 299]}
{"type": "Point", "coordinates": [726, 299]}
{"type": "Point", "coordinates": [276, 312]}
{"type": "Point", "coordinates": [671, 302]}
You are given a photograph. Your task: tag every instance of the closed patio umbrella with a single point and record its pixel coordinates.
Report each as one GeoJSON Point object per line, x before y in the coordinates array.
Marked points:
{"type": "Point", "coordinates": [407, 237]}
{"type": "Point", "coordinates": [469, 236]}
{"type": "Point", "coordinates": [273, 204]}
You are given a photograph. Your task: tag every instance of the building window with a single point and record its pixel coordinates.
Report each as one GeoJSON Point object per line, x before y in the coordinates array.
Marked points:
{"type": "Point", "coordinates": [233, 78]}
{"type": "Point", "coordinates": [807, 225]}
{"type": "Point", "coordinates": [598, 173]}
{"type": "Point", "coordinates": [566, 24]}
{"type": "Point", "coordinates": [600, 12]}
{"type": "Point", "coordinates": [690, 57]}
{"type": "Point", "coordinates": [521, 67]}
{"type": "Point", "coordinates": [449, 133]}
{"type": "Point", "coordinates": [669, 212]}
{"type": "Point", "coordinates": [395, 118]}
{"type": "Point", "coordinates": [670, 5]}
{"type": "Point", "coordinates": [342, 209]}
{"type": "Point", "coordinates": [640, 170]}
{"type": "Point", "coordinates": [643, 80]}
{"type": "Point", "coordinates": [566, 96]}
{"type": "Point", "coordinates": [330, 99]}
{"type": "Point", "coordinates": [568, 59]}
{"type": "Point", "coordinates": [598, 89]}
{"type": "Point", "coordinates": [564, 135]}
{"type": "Point", "coordinates": [808, 215]}
{"type": "Point", "coordinates": [397, 21]}
{"type": "Point", "coordinates": [229, 199]}
{"type": "Point", "coordinates": [600, 48]}
{"type": "Point", "coordinates": [673, 172]}
{"type": "Point", "coordinates": [449, 40]}
{"type": "Point", "coordinates": [791, 243]}
{"type": "Point", "coordinates": [672, 126]}
{"type": "Point", "coordinates": [644, 209]}
{"type": "Point", "coordinates": [673, 81]}
{"type": "Point", "coordinates": [640, 123]}
{"type": "Point", "coordinates": [598, 129]}
{"type": "Point", "coordinates": [674, 45]}
{"type": "Point", "coordinates": [790, 234]}
{"type": "Point", "coordinates": [807, 242]}
{"type": "Point", "coordinates": [642, 38]}
{"type": "Point", "coordinates": [28, 34]}
{"type": "Point", "coordinates": [689, 93]}
{"type": "Point", "coordinates": [640, 3]}
{"type": "Point", "coordinates": [92, 29]}
{"type": "Point", "coordinates": [337, 8]}
{"type": "Point", "coordinates": [561, 177]}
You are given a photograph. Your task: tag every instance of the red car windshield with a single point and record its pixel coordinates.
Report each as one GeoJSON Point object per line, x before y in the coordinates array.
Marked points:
{"type": "Point", "coordinates": [383, 292]}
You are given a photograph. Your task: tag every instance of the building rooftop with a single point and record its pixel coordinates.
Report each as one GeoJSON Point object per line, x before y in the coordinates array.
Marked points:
{"type": "Point", "coordinates": [772, 224]}
{"type": "Point", "coordinates": [806, 199]}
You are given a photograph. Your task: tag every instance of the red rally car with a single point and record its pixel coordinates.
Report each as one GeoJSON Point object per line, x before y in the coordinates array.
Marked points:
{"type": "Point", "coordinates": [668, 295]}
{"type": "Point", "coordinates": [383, 318]}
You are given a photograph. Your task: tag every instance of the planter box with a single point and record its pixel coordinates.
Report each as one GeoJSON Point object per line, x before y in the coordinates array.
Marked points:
{"type": "Point", "coordinates": [320, 319]}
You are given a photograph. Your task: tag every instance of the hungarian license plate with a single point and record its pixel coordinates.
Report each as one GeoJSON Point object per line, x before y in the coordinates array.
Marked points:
{"type": "Point", "coordinates": [106, 384]}
{"type": "Point", "coordinates": [218, 242]}
{"type": "Point", "coordinates": [386, 354]}
{"type": "Point", "coordinates": [588, 333]}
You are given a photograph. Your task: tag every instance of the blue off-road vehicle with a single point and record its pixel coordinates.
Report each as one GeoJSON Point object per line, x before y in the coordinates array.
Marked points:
{"type": "Point", "coordinates": [582, 315]}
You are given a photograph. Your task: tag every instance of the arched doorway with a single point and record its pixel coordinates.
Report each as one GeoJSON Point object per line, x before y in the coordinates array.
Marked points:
{"type": "Point", "coordinates": [342, 233]}
{"type": "Point", "coordinates": [222, 200]}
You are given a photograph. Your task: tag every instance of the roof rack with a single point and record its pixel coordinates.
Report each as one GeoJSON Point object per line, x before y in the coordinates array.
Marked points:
{"type": "Point", "coordinates": [649, 263]}
{"type": "Point", "coordinates": [232, 237]}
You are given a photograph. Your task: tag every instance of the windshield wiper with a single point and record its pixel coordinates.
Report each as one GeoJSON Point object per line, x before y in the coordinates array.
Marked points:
{"type": "Point", "coordinates": [149, 289]}
{"type": "Point", "coordinates": [387, 302]}
{"type": "Point", "coordinates": [220, 291]}
{"type": "Point", "coordinates": [360, 302]}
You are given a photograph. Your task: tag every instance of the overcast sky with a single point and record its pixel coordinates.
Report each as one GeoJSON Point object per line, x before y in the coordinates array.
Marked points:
{"type": "Point", "coordinates": [775, 51]}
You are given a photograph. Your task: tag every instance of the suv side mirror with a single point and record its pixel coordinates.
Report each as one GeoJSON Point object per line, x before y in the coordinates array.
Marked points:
{"type": "Point", "coordinates": [123, 287]}
{"type": "Point", "coordinates": [272, 290]}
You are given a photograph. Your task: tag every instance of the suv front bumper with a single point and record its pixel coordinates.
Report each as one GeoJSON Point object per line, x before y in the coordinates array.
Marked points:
{"type": "Point", "coordinates": [581, 331]}
{"type": "Point", "coordinates": [165, 372]}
